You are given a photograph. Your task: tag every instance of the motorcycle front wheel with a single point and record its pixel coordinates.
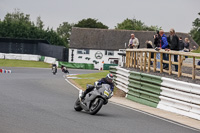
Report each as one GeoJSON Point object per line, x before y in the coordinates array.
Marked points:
{"type": "Point", "coordinates": [96, 106]}
{"type": "Point", "coordinates": [77, 105]}
{"type": "Point", "coordinates": [54, 71]}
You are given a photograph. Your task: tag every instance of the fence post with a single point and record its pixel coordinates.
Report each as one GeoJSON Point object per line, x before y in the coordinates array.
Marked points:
{"type": "Point", "coordinates": [127, 59]}
{"type": "Point", "coordinates": [131, 59]}
{"type": "Point", "coordinates": [149, 62]}
{"type": "Point", "coordinates": [154, 63]}
{"type": "Point", "coordinates": [193, 69]}
{"type": "Point", "coordinates": [179, 65]}
{"type": "Point", "coordinates": [170, 64]}
{"type": "Point", "coordinates": [141, 60]}
{"type": "Point", "coordinates": [161, 62]}
{"type": "Point", "coordinates": [145, 61]}
{"type": "Point", "coordinates": [134, 59]}
{"type": "Point", "coordinates": [138, 59]}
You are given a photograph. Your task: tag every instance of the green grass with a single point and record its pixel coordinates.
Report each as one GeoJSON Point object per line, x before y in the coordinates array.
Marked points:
{"type": "Point", "coordinates": [22, 63]}
{"type": "Point", "coordinates": [196, 51]}
{"type": "Point", "coordinates": [89, 78]}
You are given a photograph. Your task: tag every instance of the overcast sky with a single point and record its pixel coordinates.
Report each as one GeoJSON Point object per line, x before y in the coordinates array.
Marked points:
{"type": "Point", "coordinates": [177, 14]}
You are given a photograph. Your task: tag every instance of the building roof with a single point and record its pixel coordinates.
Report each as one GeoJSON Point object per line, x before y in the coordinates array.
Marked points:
{"type": "Point", "coordinates": [110, 39]}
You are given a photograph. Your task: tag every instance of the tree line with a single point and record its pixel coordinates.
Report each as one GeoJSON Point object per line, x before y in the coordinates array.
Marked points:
{"type": "Point", "coordinates": [19, 25]}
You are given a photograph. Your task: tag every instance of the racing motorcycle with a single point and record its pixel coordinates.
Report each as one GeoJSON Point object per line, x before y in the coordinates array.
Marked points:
{"type": "Point", "coordinates": [94, 100]}
{"type": "Point", "coordinates": [64, 69]}
{"type": "Point", "coordinates": [54, 69]}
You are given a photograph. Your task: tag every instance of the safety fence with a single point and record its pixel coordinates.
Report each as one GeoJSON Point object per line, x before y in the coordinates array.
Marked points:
{"type": "Point", "coordinates": [45, 59]}
{"type": "Point", "coordinates": [76, 65]}
{"type": "Point", "coordinates": [142, 59]}
{"type": "Point", "coordinates": [159, 92]}
{"type": "Point", "coordinates": [28, 57]}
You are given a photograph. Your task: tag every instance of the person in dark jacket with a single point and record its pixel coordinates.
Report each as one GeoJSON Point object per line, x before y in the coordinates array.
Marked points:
{"type": "Point", "coordinates": [157, 39]}
{"type": "Point", "coordinates": [149, 46]}
{"type": "Point", "coordinates": [174, 45]}
{"type": "Point", "coordinates": [181, 44]}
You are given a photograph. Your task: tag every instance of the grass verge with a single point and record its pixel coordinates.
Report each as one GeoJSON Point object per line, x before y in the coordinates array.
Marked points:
{"type": "Point", "coordinates": [22, 63]}
{"type": "Point", "coordinates": [85, 79]}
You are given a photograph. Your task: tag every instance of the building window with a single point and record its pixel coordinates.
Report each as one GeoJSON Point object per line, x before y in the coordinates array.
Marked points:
{"type": "Point", "coordinates": [83, 51]}
{"type": "Point", "coordinates": [111, 53]}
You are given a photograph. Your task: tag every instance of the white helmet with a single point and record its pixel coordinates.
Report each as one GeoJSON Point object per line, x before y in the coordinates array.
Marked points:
{"type": "Point", "coordinates": [109, 78]}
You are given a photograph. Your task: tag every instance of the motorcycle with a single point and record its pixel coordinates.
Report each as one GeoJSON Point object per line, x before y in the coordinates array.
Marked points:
{"type": "Point", "coordinates": [64, 69]}
{"type": "Point", "coordinates": [54, 69]}
{"type": "Point", "coordinates": [94, 100]}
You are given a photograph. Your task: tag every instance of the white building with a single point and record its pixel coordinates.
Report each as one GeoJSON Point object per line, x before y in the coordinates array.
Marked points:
{"type": "Point", "coordinates": [96, 57]}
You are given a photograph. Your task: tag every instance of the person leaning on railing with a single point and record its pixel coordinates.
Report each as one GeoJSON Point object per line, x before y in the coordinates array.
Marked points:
{"type": "Point", "coordinates": [133, 42]}
{"type": "Point", "coordinates": [150, 46]}
{"type": "Point", "coordinates": [174, 45]}
{"type": "Point", "coordinates": [163, 45]}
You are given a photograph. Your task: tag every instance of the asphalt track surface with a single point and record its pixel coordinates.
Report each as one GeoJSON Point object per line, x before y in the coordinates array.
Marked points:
{"type": "Point", "coordinates": [33, 100]}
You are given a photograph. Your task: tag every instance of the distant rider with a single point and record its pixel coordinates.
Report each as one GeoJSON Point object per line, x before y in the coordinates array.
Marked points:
{"type": "Point", "coordinates": [107, 80]}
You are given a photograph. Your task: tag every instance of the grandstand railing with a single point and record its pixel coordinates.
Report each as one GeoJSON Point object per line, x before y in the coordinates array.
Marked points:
{"type": "Point", "coordinates": [141, 59]}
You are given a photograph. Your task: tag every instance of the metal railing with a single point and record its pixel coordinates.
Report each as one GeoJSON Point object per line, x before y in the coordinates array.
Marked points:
{"type": "Point", "coordinates": [141, 58]}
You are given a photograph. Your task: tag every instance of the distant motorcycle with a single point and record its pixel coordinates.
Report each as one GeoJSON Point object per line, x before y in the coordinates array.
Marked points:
{"type": "Point", "coordinates": [94, 100]}
{"type": "Point", "coordinates": [64, 69]}
{"type": "Point", "coordinates": [54, 69]}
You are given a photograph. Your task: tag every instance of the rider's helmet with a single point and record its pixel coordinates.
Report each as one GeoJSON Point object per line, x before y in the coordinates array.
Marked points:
{"type": "Point", "coordinates": [109, 78]}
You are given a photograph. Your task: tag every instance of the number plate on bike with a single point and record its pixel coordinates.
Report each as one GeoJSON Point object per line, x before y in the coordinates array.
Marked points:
{"type": "Point", "coordinates": [106, 93]}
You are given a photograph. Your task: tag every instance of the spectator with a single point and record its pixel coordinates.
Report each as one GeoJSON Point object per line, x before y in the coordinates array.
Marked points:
{"type": "Point", "coordinates": [163, 45]}
{"type": "Point", "coordinates": [187, 45]}
{"type": "Point", "coordinates": [181, 44]}
{"type": "Point", "coordinates": [149, 45]}
{"type": "Point", "coordinates": [174, 45]}
{"type": "Point", "coordinates": [157, 39]}
{"type": "Point", "coordinates": [133, 42]}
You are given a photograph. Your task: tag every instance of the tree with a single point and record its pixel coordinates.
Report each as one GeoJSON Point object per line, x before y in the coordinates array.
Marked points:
{"type": "Point", "coordinates": [90, 23]}
{"type": "Point", "coordinates": [64, 31]}
{"type": "Point", "coordinates": [195, 31]}
{"type": "Point", "coordinates": [39, 23]}
{"type": "Point", "coordinates": [133, 24]}
{"type": "Point", "coordinates": [18, 25]}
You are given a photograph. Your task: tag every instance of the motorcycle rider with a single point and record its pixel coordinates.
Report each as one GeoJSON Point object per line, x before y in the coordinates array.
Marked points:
{"type": "Point", "coordinates": [64, 69]}
{"type": "Point", "coordinates": [107, 80]}
{"type": "Point", "coordinates": [54, 66]}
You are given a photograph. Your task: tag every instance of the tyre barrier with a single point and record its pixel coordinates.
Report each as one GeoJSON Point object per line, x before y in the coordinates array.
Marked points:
{"type": "Point", "coordinates": [5, 71]}
{"type": "Point", "coordinates": [159, 92]}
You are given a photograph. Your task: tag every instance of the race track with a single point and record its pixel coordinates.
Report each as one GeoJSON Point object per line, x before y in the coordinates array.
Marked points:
{"type": "Point", "coordinates": [33, 100]}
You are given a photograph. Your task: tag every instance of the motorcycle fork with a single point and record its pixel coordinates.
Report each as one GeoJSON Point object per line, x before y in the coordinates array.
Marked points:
{"type": "Point", "coordinates": [96, 100]}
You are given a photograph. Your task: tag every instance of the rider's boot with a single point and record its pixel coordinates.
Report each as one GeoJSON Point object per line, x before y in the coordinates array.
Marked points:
{"type": "Point", "coordinates": [89, 88]}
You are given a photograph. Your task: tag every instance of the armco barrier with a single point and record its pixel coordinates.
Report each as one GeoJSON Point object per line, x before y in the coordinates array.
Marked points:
{"type": "Point", "coordinates": [159, 92]}
{"type": "Point", "coordinates": [50, 60]}
{"type": "Point", "coordinates": [76, 65]}
{"type": "Point", "coordinates": [2, 55]}
{"type": "Point", "coordinates": [22, 57]}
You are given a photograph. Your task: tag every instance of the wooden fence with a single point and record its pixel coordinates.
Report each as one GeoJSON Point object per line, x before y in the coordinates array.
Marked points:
{"type": "Point", "coordinates": [141, 58]}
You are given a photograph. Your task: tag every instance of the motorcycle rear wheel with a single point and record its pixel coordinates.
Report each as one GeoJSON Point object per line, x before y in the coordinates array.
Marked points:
{"type": "Point", "coordinates": [77, 105]}
{"type": "Point", "coordinates": [95, 107]}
